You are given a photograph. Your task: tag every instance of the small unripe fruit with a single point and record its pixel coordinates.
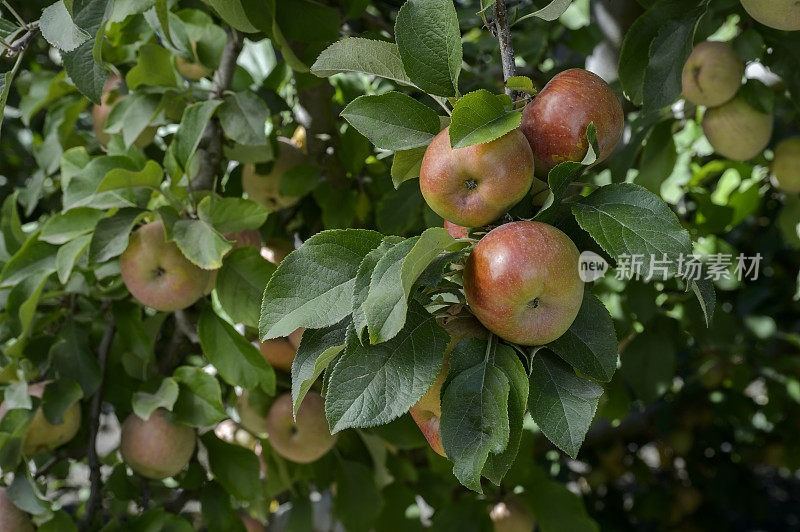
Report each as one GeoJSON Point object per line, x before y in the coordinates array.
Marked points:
{"type": "Point", "coordinates": [786, 165]}
{"type": "Point", "coordinates": [303, 440]}
{"type": "Point", "coordinates": [156, 448]}
{"type": "Point", "coordinates": [12, 519]}
{"type": "Point", "coordinates": [736, 130]}
{"type": "Point", "coordinates": [712, 75]}
{"type": "Point", "coordinates": [475, 185]}
{"type": "Point", "coordinates": [521, 281]}
{"type": "Point", "coordinates": [778, 14]}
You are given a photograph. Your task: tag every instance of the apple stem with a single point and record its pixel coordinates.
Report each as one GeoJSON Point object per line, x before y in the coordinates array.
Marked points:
{"type": "Point", "coordinates": [506, 47]}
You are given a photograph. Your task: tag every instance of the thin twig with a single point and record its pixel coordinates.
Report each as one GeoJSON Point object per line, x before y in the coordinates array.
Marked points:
{"type": "Point", "coordinates": [94, 501]}
{"type": "Point", "coordinates": [506, 47]}
{"type": "Point", "coordinates": [16, 15]}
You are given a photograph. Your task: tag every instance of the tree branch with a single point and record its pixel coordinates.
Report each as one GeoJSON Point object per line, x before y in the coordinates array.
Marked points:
{"type": "Point", "coordinates": [20, 45]}
{"type": "Point", "coordinates": [506, 47]}
{"type": "Point", "coordinates": [95, 502]}
{"type": "Point", "coordinates": [210, 148]}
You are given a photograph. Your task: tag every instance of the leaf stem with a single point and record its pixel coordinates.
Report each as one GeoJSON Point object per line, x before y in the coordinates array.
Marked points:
{"type": "Point", "coordinates": [506, 47]}
{"type": "Point", "coordinates": [16, 15]}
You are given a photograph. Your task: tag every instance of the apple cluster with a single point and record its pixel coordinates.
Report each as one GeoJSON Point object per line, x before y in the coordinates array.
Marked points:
{"type": "Point", "coordinates": [712, 77]}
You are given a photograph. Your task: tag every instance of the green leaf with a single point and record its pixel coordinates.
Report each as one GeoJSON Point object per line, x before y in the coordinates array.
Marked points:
{"type": "Point", "coordinates": [363, 279]}
{"type": "Point", "coordinates": [34, 257]}
{"type": "Point", "coordinates": [394, 275]}
{"type": "Point", "coordinates": [154, 67]}
{"type": "Point", "coordinates": [81, 186]}
{"type": "Point", "coordinates": [521, 83]}
{"type": "Point", "coordinates": [590, 343]}
{"type": "Point", "coordinates": [145, 403]}
{"type": "Point", "coordinates": [73, 358]}
{"type": "Point", "coordinates": [358, 501]}
{"type": "Point", "coordinates": [58, 396]}
{"type": "Point", "coordinates": [556, 507]}
{"type": "Point", "coordinates": [393, 121]}
{"type": "Point", "coordinates": [550, 12]}
{"type": "Point", "coordinates": [354, 54]}
{"type": "Point", "coordinates": [704, 290]}
{"type": "Point", "coordinates": [648, 364]}
{"type": "Point", "coordinates": [300, 180]}
{"type": "Point", "coordinates": [406, 164]}
{"type": "Point", "coordinates": [658, 157]}
{"type": "Point", "coordinates": [240, 283]}
{"type": "Point", "coordinates": [480, 117]}
{"type": "Point", "coordinates": [59, 30]}
{"type": "Point", "coordinates": [68, 255]}
{"type": "Point", "coordinates": [190, 130]}
{"type": "Point", "coordinates": [627, 219]}
{"type": "Point", "coordinates": [313, 286]}
{"type": "Point", "coordinates": [65, 226]}
{"type": "Point", "coordinates": [243, 116]}
{"type": "Point", "coordinates": [83, 63]}
{"type": "Point", "coordinates": [475, 405]}
{"type": "Point", "coordinates": [429, 42]}
{"type": "Point", "coordinates": [6, 78]}
{"type": "Point", "coordinates": [200, 243]}
{"type": "Point", "coordinates": [318, 348]}
{"type": "Point", "coordinates": [372, 385]}
{"type": "Point", "coordinates": [199, 402]}
{"type": "Point", "coordinates": [234, 466]}
{"type": "Point", "coordinates": [238, 361]}
{"type": "Point", "coordinates": [150, 176]}
{"type": "Point", "coordinates": [232, 215]}
{"type": "Point", "coordinates": [132, 339]}
{"type": "Point", "coordinates": [24, 493]}
{"type": "Point", "coordinates": [232, 12]}
{"type": "Point", "coordinates": [560, 402]}
{"type": "Point", "coordinates": [131, 115]}
{"type": "Point", "coordinates": [110, 237]}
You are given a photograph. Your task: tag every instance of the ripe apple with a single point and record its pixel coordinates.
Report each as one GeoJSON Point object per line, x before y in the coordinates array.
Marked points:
{"type": "Point", "coordinates": [736, 130]}
{"type": "Point", "coordinates": [521, 281]}
{"type": "Point", "coordinates": [555, 121]}
{"type": "Point", "coordinates": [427, 412]}
{"type": "Point", "coordinates": [712, 75]}
{"type": "Point", "coordinates": [43, 435]}
{"type": "Point", "coordinates": [511, 515]}
{"type": "Point", "coordinates": [778, 14]}
{"type": "Point", "coordinates": [158, 274]}
{"type": "Point", "coordinates": [295, 337]}
{"type": "Point", "coordinates": [12, 519]}
{"type": "Point", "coordinates": [305, 439]}
{"type": "Point", "coordinates": [264, 188]}
{"type": "Point", "coordinates": [475, 185]}
{"type": "Point", "coordinates": [100, 114]}
{"type": "Point", "coordinates": [156, 448]}
{"type": "Point", "coordinates": [786, 165]}
{"type": "Point", "coordinates": [192, 69]}
{"type": "Point", "coordinates": [279, 352]}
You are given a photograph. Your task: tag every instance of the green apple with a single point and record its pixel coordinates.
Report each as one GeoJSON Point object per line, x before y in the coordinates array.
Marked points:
{"type": "Point", "coordinates": [304, 439]}
{"type": "Point", "coordinates": [12, 519]}
{"type": "Point", "coordinates": [156, 448]}
{"type": "Point", "coordinates": [521, 281]}
{"type": "Point", "coordinates": [712, 75]}
{"type": "Point", "coordinates": [786, 165]}
{"type": "Point", "coordinates": [264, 188]}
{"type": "Point", "coordinates": [736, 130]}
{"type": "Point", "coordinates": [156, 272]}
{"type": "Point", "coordinates": [778, 14]}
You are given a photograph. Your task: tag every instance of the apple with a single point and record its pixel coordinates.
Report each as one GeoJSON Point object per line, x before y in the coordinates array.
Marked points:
{"type": "Point", "coordinates": [263, 188]}
{"type": "Point", "coordinates": [12, 519]}
{"type": "Point", "coordinates": [158, 274]}
{"type": "Point", "coordinates": [555, 121]}
{"type": "Point", "coordinates": [712, 75]}
{"type": "Point", "coordinates": [279, 352]}
{"type": "Point", "coordinates": [252, 416]}
{"type": "Point", "coordinates": [456, 231]}
{"type": "Point", "coordinates": [521, 281]}
{"type": "Point", "coordinates": [192, 69]}
{"type": "Point", "coordinates": [43, 435]}
{"type": "Point", "coordinates": [736, 130]}
{"type": "Point", "coordinates": [305, 439]}
{"type": "Point", "coordinates": [156, 448]}
{"type": "Point", "coordinates": [296, 336]}
{"type": "Point", "coordinates": [100, 114]}
{"type": "Point", "coordinates": [511, 515]}
{"type": "Point", "coordinates": [778, 14]}
{"type": "Point", "coordinates": [476, 185]}
{"type": "Point", "coordinates": [427, 412]}
{"type": "Point", "coordinates": [786, 165]}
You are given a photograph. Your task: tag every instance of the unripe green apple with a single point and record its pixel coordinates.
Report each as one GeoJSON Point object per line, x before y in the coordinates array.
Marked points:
{"type": "Point", "coordinates": [265, 188]}
{"type": "Point", "coordinates": [712, 75]}
{"type": "Point", "coordinates": [521, 281]}
{"type": "Point", "coordinates": [427, 412]}
{"type": "Point", "coordinates": [12, 519]}
{"type": "Point", "coordinates": [156, 448]}
{"type": "Point", "coordinates": [43, 435]}
{"type": "Point", "coordinates": [786, 165]}
{"type": "Point", "coordinates": [305, 439]}
{"type": "Point", "coordinates": [511, 515]}
{"type": "Point", "coordinates": [555, 121]}
{"type": "Point", "coordinates": [100, 116]}
{"type": "Point", "coordinates": [778, 14]}
{"type": "Point", "coordinates": [158, 274]}
{"type": "Point", "coordinates": [736, 130]}
{"type": "Point", "coordinates": [476, 185]}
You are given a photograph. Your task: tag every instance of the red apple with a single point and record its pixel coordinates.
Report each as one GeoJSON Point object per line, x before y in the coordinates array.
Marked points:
{"type": "Point", "coordinates": [511, 515]}
{"type": "Point", "coordinates": [156, 448]}
{"type": "Point", "coordinates": [158, 274]}
{"type": "Point", "coordinates": [476, 185]}
{"type": "Point", "coordinates": [264, 188]}
{"type": "Point", "coordinates": [296, 336]}
{"type": "Point", "coordinates": [786, 165]}
{"type": "Point", "coordinates": [555, 121]}
{"type": "Point", "coordinates": [12, 519]}
{"type": "Point", "coordinates": [521, 281]}
{"type": "Point", "coordinates": [428, 410]}
{"type": "Point", "coordinates": [736, 130]}
{"type": "Point", "coordinates": [778, 14]}
{"type": "Point", "coordinates": [712, 74]}
{"type": "Point", "coordinates": [305, 439]}
{"type": "Point", "coordinates": [279, 352]}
